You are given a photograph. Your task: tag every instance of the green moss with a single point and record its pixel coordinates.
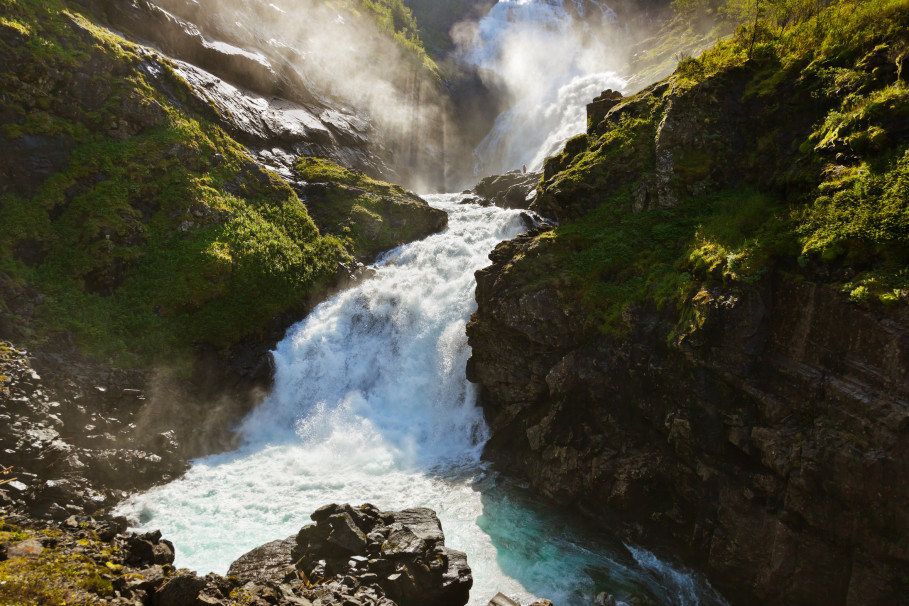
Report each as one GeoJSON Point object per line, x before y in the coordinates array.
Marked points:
{"type": "Point", "coordinates": [840, 200]}
{"type": "Point", "coordinates": [51, 578]}
{"type": "Point", "coordinates": [157, 233]}
{"type": "Point", "coordinates": [368, 215]}
{"type": "Point", "coordinates": [396, 20]}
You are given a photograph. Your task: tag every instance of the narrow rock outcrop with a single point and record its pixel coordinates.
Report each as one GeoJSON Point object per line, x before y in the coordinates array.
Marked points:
{"type": "Point", "coordinates": [514, 189]}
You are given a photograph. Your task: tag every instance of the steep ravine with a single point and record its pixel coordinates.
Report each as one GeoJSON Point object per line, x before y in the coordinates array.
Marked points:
{"type": "Point", "coordinates": [705, 353]}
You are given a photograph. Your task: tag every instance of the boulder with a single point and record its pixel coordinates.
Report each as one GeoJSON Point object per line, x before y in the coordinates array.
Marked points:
{"type": "Point", "coordinates": [401, 553]}
{"type": "Point", "coordinates": [270, 563]}
{"type": "Point", "coordinates": [181, 590]}
{"type": "Point", "coordinates": [599, 107]}
{"type": "Point", "coordinates": [514, 189]}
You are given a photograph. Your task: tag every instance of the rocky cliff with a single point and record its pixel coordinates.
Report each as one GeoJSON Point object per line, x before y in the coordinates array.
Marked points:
{"type": "Point", "coordinates": [134, 221]}
{"type": "Point", "coordinates": [711, 350]}
{"type": "Point", "coordinates": [291, 78]}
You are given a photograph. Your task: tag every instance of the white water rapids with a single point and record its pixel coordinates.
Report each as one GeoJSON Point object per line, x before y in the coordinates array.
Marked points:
{"type": "Point", "coordinates": [370, 401]}
{"type": "Point", "coordinates": [370, 404]}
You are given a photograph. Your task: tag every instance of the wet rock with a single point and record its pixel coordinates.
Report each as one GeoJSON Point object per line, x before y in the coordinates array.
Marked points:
{"type": "Point", "coordinates": [401, 553]}
{"type": "Point", "coordinates": [514, 189]}
{"type": "Point", "coordinates": [739, 463]}
{"type": "Point", "coordinates": [500, 599]}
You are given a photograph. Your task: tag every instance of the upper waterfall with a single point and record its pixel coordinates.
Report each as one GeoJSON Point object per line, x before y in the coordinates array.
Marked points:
{"type": "Point", "coordinates": [553, 57]}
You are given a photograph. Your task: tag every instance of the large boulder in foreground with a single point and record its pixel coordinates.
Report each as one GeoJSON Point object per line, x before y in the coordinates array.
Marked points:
{"type": "Point", "coordinates": [378, 556]}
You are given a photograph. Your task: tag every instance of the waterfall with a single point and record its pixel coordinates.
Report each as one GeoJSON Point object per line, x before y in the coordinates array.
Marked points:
{"type": "Point", "coordinates": [370, 404]}
{"type": "Point", "coordinates": [553, 59]}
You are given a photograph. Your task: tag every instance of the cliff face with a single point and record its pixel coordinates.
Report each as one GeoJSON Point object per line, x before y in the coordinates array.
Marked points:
{"type": "Point", "coordinates": [350, 82]}
{"type": "Point", "coordinates": [696, 356]}
{"type": "Point", "coordinates": [770, 440]}
{"type": "Point", "coordinates": [152, 216]}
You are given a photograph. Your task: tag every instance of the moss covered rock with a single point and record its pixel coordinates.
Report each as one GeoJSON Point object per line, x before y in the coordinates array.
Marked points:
{"type": "Point", "coordinates": [369, 216]}
{"type": "Point", "coordinates": [133, 223]}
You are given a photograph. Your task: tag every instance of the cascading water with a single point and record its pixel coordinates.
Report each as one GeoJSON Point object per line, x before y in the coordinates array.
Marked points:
{"type": "Point", "coordinates": [370, 404]}
{"type": "Point", "coordinates": [553, 59]}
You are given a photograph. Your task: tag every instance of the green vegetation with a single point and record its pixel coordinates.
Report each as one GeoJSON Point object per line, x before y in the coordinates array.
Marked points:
{"type": "Point", "coordinates": [435, 18]}
{"type": "Point", "coordinates": [154, 232]}
{"type": "Point", "coordinates": [51, 578]}
{"type": "Point", "coordinates": [669, 196]}
{"type": "Point", "coordinates": [397, 21]}
{"type": "Point", "coordinates": [369, 216]}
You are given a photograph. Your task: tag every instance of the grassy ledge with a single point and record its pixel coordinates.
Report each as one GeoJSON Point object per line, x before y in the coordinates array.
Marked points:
{"type": "Point", "coordinates": [369, 216]}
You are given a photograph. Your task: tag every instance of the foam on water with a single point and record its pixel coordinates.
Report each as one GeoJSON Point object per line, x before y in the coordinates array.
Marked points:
{"type": "Point", "coordinates": [370, 404]}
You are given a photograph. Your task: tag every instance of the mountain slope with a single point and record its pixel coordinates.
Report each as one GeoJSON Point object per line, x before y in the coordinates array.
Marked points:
{"type": "Point", "coordinates": [130, 221]}
{"type": "Point", "coordinates": [711, 347]}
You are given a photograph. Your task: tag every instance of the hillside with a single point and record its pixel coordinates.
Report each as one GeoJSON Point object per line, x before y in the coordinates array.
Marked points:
{"type": "Point", "coordinates": [710, 348]}
{"type": "Point", "coordinates": [131, 222]}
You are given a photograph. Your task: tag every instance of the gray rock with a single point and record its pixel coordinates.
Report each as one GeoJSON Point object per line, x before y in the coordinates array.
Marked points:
{"type": "Point", "coordinates": [181, 590]}
{"type": "Point", "coordinates": [30, 548]}
{"type": "Point", "coordinates": [270, 563]}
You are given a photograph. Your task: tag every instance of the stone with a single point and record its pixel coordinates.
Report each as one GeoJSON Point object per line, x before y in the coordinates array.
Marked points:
{"type": "Point", "coordinates": [422, 522]}
{"type": "Point", "coordinates": [500, 599]}
{"type": "Point", "coordinates": [345, 534]}
{"type": "Point", "coordinates": [402, 541]}
{"type": "Point", "coordinates": [512, 190]}
{"type": "Point", "coordinates": [180, 590]}
{"type": "Point", "coordinates": [30, 548]}
{"type": "Point", "coordinates": [405, 555]}
{"type": "Point", "coordinates": [605, 599]}
{"type": "Point", "coordinates": [269, 563]}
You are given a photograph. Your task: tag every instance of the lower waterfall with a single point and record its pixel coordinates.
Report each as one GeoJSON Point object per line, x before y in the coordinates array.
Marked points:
{"type": "Point", "coordinates": [370, 404]}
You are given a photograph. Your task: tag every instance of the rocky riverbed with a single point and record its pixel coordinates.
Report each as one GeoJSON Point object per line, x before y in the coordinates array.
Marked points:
{"type": "Point", "coordinates": [355, 556]}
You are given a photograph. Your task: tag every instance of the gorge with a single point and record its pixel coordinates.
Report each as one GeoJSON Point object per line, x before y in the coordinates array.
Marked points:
{"type": "Point", "coordinates": [691, 341]}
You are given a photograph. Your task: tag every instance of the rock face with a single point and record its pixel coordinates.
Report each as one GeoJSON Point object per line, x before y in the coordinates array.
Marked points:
{"type": "Point", "coordinates": [599, 107]}
{"type": "Point", "coordinates": [514, 189]}
{"type": "Point", "coordinates": [759, 422]}
{"type": "Point", "coordinates": [278, 91]}
{"type": "Point", "coordinates": [71, 439]}
{"type": "Point", "coordinates": [770, 440]}
{"type": "Point", "coordinates": [399, 556]}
